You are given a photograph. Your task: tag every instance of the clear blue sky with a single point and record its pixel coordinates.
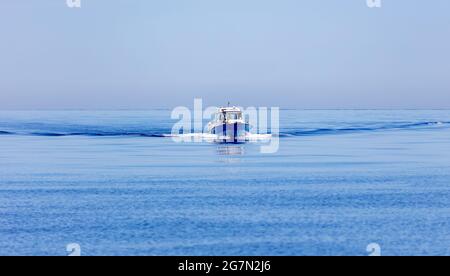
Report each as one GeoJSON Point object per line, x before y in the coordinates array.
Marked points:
{"type": "Point", "coordinates": [160, 53]}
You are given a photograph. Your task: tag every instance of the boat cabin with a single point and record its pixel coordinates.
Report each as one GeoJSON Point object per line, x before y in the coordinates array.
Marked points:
{"type": "Point", "coordinates": [228, 114]}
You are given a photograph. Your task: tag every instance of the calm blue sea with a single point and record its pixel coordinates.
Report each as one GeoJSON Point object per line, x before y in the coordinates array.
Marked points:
{"type": "Point", "coordinates": [111, 182]}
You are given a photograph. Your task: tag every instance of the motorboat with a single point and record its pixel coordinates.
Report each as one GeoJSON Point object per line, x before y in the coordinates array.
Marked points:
{"type": "Point", "coordinates": [228, 125]}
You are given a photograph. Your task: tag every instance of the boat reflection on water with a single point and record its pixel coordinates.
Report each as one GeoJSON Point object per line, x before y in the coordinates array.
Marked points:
{"type": "Point", "coordinates": [230, 149]}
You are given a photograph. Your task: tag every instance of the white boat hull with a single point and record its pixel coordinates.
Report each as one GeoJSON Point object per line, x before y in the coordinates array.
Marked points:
{"type": "Point", "coordinates": [233, 132]}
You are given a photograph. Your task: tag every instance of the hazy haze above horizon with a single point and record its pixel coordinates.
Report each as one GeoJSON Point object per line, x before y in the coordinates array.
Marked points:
{"type": "Point", "coordinates": [288, 53]}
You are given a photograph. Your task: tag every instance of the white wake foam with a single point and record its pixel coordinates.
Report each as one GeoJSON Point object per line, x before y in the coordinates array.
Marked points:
{"type": "Point", "coordinates": [207, 137]}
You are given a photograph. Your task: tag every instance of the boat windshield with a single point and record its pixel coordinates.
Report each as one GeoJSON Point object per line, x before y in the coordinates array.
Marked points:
{"type": "Point", "coordinates": [234, 116]}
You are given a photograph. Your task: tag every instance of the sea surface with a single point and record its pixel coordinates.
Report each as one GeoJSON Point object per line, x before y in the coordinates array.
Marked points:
{"type": "Point", "coordinates": [116, 184]}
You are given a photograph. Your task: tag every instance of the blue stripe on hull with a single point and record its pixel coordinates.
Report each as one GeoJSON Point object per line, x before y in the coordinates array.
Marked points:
{"type": "Point", "coordinates": [224, 132]}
